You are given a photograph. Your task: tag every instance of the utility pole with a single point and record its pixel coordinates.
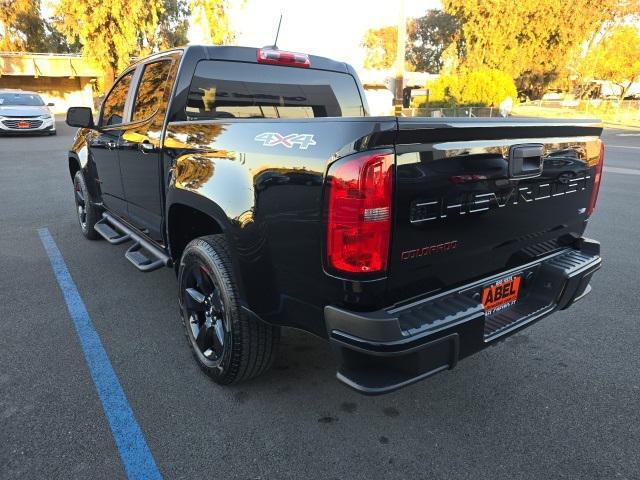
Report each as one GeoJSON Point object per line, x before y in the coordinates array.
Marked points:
{"type": "Point", "coordinates": [400, 54]}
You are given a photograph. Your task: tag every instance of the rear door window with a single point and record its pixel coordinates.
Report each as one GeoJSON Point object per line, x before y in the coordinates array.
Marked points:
{"type": "Point", "coordinates": [221, 89]}
{"type": "Point", "coordinates": [113, 105]}
{"type": "Point", "coordinates": [151, 89]}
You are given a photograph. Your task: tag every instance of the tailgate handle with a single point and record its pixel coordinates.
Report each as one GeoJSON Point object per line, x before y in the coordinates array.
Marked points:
{"type": "Point", "coordinates": [525, 161]}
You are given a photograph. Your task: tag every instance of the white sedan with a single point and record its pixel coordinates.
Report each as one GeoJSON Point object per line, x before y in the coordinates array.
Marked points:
{"type": "Point", "coordinates": [25, 112]}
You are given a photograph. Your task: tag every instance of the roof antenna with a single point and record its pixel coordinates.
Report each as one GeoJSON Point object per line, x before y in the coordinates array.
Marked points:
{"type": "Point", "coordinates": [275, 42]}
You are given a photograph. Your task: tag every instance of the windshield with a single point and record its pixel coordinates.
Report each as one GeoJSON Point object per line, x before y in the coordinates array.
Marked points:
{"type": "Point", "coordinates": [27, 99]}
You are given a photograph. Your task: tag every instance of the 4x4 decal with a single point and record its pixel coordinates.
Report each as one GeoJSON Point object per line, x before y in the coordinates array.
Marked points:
{"type": "Point", "coordinates": [271, 139]}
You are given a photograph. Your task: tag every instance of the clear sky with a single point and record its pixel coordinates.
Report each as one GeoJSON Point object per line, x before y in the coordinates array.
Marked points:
{"type": "Point", "coordinates": [331, 28]}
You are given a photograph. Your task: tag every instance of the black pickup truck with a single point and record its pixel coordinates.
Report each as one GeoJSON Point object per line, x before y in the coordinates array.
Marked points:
{"type": "Point", "coordinates": [408, 243]}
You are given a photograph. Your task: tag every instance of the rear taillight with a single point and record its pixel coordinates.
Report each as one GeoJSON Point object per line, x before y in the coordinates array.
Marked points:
{"type": "Point", "coordinates": [359, 212]}
{"type": "Point", "coordinates": [597, 177]}
{"type": "Point", "coordinates": [279, 57]}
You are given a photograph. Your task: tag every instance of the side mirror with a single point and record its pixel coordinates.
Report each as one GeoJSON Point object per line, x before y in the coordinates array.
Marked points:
{"type": "Point", "coordinates": [81, 117]}
{"type": "Point", "coordinates": [51, 104]}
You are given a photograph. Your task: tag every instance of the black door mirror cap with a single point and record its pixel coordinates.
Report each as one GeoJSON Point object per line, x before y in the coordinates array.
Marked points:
{"type": "Point", "coordinates": [81, 117]}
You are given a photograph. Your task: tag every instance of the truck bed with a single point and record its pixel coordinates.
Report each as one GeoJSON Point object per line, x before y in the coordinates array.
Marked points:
{"type": "Point", "coordinates": [457, 216]}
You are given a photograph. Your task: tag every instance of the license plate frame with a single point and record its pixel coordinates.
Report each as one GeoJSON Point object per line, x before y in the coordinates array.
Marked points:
{"type": "Point", "coordinates": [23, 124]}
{"type": "Point", "coordinates": [501, 294]}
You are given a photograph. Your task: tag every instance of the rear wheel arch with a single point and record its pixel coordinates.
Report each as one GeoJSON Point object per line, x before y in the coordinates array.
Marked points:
{"type": "Point", "coordinates": [185, 223]}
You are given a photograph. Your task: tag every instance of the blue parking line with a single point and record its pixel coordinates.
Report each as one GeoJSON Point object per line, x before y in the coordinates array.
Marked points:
{"type": "Point", "coordinates": [134, 451]}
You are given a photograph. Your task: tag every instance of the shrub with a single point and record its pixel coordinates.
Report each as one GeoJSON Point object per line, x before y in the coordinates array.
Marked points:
{"type": "Point", "coordinates": [484, 87]}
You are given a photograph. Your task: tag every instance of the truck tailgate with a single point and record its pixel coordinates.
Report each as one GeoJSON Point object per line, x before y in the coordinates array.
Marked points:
{"type": "Point", "coordinates": [475, 197]}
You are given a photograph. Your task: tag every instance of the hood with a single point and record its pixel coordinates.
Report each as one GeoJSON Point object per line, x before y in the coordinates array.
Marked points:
{"type": "Point", "coordinates": [23, 111]}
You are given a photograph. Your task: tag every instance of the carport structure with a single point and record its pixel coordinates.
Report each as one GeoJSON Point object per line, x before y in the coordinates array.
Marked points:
{"type": "Point", "coordinates": [65, 80]}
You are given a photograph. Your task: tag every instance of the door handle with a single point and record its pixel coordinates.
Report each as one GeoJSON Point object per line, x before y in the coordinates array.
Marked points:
{"type": "Point", "coordinates": [111, 144]}
{"type": "Point", "coordinates": [146, 147]}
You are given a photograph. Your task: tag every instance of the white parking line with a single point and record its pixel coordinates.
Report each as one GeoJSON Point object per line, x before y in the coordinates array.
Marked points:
{"type": "Point", "coordinates": [621, 146]}
{"type": "Point", "coordinates": [626, 171]}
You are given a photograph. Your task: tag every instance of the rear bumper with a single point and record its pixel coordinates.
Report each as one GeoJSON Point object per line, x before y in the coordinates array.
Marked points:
{"type": "Point", "coordinates": [388, 349]}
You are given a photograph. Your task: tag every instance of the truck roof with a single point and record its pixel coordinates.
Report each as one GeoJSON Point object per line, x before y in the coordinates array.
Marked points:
{"type": "Point", "coordinates": [246, 54]}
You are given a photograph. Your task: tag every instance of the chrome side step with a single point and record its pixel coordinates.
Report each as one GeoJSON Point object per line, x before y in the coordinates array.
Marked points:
{"type": "Point", "coordinates": [145, 256]}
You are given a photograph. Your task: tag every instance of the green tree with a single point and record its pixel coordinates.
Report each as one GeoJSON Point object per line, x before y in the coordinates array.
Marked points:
{"type": "Point", "coordinates": [482, 87]}
{"type": "Point", "coordinates": [380, 47]}
{"type": "Point", "coordinates": [21, 26]}
{"type": "Point", "coordinates": [444, 91]}
{"type": "Point", "coordinates": [213, 14]}
{"type": "Point", "coordinates": [111, 31]}
{"type": "Point", "coordinates": [430, 36]}
{"type": "Point", "coordinates": [487, 86]}
{"type": "Point", "coordinates": [56, 42]}
{"type": "Point", "coordinates": [532, 40]}
{"type": "Point", "coordinates": [615, 57]}
{"type": "Point", "coordinates": [173, 24]}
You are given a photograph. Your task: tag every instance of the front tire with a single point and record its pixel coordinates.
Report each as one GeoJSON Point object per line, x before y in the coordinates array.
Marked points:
{"type": "Point", "coordinates": [86, 211]}
{"type": "Point", "coordinates": [228, 345]}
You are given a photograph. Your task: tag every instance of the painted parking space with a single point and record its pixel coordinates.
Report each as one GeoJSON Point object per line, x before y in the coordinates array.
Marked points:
{"type": "Point", "coordinates": [132, 446]}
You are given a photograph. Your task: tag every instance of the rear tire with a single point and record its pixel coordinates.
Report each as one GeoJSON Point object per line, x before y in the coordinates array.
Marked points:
{"type": "Point", "coordinates": [229, 345]}
{"type": "Point", "coordinates": [86, 211]}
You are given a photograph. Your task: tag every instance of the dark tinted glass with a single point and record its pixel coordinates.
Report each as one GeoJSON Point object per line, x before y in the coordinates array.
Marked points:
{"type": "Point", "coordinates": [151, 89]}
{"type": "Point", "coordinates": [28, 99]}
{"type": "Point", "coordinates": [244, 90]}
{"type": "Point", "coordinates": [113, 106]}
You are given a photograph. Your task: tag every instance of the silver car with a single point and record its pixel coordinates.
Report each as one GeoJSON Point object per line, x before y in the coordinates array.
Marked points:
{"type": "Point", "coordinates": [25, 112]}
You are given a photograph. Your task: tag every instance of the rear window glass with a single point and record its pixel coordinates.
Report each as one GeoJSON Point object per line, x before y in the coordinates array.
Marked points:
{"type": "Point", "coordinates": [151, 89]}
{"type": "Point", "coordinates": [232, 90]}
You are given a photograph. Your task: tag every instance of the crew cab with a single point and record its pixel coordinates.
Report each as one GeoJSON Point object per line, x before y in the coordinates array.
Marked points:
{"type": "Point", "coordinates": [408, 243]}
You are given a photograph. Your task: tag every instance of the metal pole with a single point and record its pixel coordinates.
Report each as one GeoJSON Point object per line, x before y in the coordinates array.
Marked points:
{"type": "Point", "coordinates": [400, 54]}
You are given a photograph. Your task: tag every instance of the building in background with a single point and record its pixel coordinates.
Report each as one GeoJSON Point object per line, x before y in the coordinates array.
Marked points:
{"type": "Point", "coordinates": [64, 80]}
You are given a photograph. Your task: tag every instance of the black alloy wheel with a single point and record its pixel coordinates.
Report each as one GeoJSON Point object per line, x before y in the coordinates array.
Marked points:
{"type": "Point", "coordinates": [205, 312]}
{"type": "Point", "coordinates": [228, 343]}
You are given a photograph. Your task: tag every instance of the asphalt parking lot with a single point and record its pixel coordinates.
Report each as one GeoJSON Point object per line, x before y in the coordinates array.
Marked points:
{"type": "Point", "coordinates": [560, 400]}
